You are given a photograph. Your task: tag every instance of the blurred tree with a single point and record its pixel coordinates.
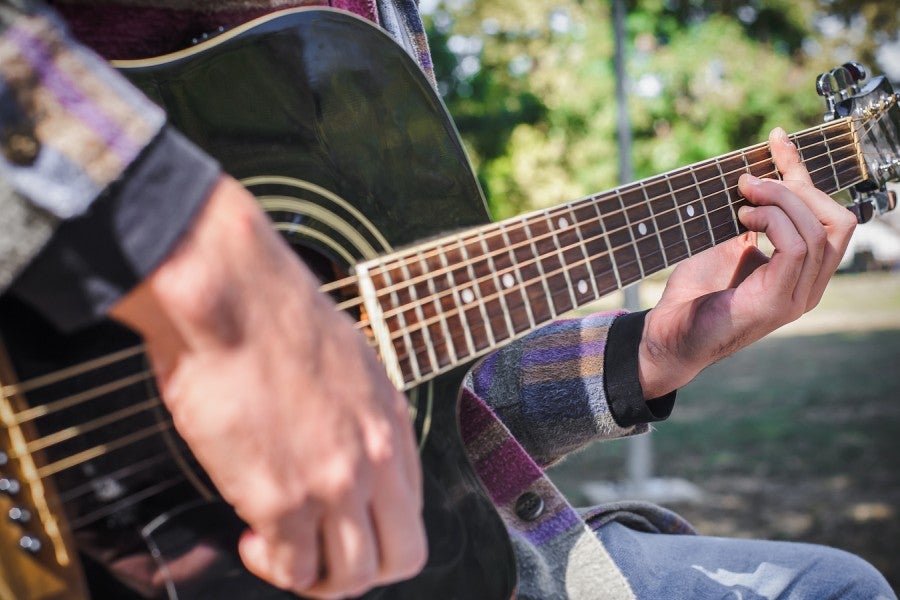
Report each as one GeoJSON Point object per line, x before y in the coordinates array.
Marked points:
{"type": "Point", "coordinates": [531, 86]}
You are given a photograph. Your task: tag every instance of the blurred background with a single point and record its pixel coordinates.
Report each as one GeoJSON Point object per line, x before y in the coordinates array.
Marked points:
{"type": "Point", "coordinates": [798, 436]}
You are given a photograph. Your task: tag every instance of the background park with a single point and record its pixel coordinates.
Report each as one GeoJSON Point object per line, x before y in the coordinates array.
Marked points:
{"type": "Point", "coordinates": [797, 437]}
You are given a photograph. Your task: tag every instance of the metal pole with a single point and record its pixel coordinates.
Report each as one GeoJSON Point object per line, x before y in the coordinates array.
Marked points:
{"type": "Point", "coordinates": [640, 449]}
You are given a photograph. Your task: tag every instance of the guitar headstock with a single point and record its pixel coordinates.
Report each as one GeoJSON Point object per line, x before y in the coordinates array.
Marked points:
{"type": "Point", "coordinates": [874, 107]}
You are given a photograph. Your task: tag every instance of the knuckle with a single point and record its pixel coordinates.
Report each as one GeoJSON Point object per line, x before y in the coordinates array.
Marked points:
{"type": "Point", "coordinates": [304, 574]}
{"type": "Point", "coordinates": [796, 249]}
{"type": "Point", "coordinates": [819, 239]}
{"type": "Point", "coordinates": [412, 557]}
{"type": "Point", "coordinates": [342, 481]}
{"type": "Point", "coordinates": [361, 579]}
{"type": "Point", "coordinates": [848, 221]}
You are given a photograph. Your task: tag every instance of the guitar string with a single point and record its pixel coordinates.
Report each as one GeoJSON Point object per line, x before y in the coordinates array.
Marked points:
{"type": "Point", "coordinates": [562, 211]}
{"type": "Point", "coordinates": [458, 242]}
{"type": "Point", "coordinates": [82, 488]}
{"type": "Point", "coordinates": [423, 325]}
{"type": "Point", "coordinates": [70, 432]}
{"type": "Point", "coordinates": [168, 484]}
{"type": "Point", "coordinates": [62, 374]}
{"type": "Point", "coordinates": [662, 251]}
{"type": "Point", "coordinates": [126, 501]}
{"type": "Point", "coordinates": [431, 275]}
{"type": "Point", "coordinates": [102, 361]}
{"type": "Point", "coordinates": [81, 397]}
{"type": "Point", "coordinates": [434, 298]}
{"type": "Point", "coordinates": [103, 449]}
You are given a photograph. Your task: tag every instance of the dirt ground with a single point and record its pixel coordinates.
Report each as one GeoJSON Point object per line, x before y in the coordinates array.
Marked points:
{"type": "Point", "coordinates": [795, 438]}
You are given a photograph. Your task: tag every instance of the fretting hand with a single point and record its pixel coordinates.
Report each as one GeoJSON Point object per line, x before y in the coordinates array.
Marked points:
{"type": "Point", "coordinates": [732, 295]}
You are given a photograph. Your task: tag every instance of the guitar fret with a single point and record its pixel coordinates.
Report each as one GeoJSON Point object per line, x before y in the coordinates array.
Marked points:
{"type": "Point", "coordinates": [500, 293]}
{"type": "Point", "coordinates": [561, 224]}
{"type": "Point", "coordinates": [622, 248]}
{"type": "Point", "coordinates": [514, 279]}
{"type": "Point", "coordinates": [656, 225]}
{"type": "Point", "coordinates": [424, 330]}
{"type": "Point", "coordinates": [540, 268]}
{"type": "Point", "coordinates": [828, 152]}
{"type": "Point", "coordinates": [816, 164]}
{"type": "Point", "coordinates": [609, 252]}
{"type": "Point", "coordinates": [409, 359]}
{"type": "Point", "coordinates": [684, 235]}
{"type": "Point", "coordinates": [584, 252]}
{"type": "Point", "coordinates": [640, 214]}
{"type": "Point", "coordinates": [441, 314]}
{"type": "Point", "coordinates": [459, 308]}
{"type": "Point", "coordinates": [479, 298]}
{"type": "Point", "coordinates": [697, 236]}
{"type": "Point", "coordinates": [637, 256]}
{"type": "Point", "coordinates": [726, 192]}
{"type": "Point", "coordinates": [668, 218]}
{"type": "Point", "coordinates": [720, 201]}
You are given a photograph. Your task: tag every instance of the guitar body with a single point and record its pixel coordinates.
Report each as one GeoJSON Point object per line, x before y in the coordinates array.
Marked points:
{"type": "Point", "coordinates": [350, 151]}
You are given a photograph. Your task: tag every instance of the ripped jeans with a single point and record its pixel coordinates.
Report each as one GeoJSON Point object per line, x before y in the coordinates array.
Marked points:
{"type": "Point", "coordinates": [690, 567]}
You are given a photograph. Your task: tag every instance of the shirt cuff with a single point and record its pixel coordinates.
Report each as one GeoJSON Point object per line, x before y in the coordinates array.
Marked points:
{"type": "Point", "coordinates": [623, 384]}
{"type": "Point", "coordinates": [94, 259]}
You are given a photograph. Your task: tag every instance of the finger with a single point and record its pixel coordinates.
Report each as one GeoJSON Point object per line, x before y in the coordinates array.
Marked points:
{"type": "Point", "coordinates": [291, 565]}
{"type": "Point", "coordinates": [783, 270]}
{"type": "Point", "coordinates": [400, 531]}
{"type": "Point", "coordinates": [787, 157]}
{"type": "Point", "coordinates": [797, 179]}
{"type": "Point", "coordinates": [408, 447]}
{"type": "Point", "coordinates": [260, 559]}
{"type": "Point", "coordinates": [813, 237]}
{"type": "Point", "coordinates": [351, 554]}
{"type": "Point", "coordinates": [838, 221]}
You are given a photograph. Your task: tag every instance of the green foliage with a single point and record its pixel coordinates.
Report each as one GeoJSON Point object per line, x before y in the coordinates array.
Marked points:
{"type": "Point", "coordinates": [531, 86]}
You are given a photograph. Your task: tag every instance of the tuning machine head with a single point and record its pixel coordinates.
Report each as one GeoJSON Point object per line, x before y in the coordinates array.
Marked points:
{"type": "Point", "coordinates": [839, 84]}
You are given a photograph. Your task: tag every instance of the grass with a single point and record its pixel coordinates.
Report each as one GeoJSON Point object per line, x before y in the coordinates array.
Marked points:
{"type": "Point", "coordinates": [796, 437]}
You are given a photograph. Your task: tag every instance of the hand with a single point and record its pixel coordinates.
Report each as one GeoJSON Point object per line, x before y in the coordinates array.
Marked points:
{"type": "Point", "coordinates": [283, 404]}
{"type": "Point", "coordinates": [731, 295]}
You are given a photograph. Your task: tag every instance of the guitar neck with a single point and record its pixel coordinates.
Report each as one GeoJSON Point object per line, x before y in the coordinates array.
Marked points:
{"type": "Point", "coordinates": [438, 304]}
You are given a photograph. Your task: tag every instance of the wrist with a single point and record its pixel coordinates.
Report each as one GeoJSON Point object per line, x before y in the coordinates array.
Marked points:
{"type": "Point", "coordinates": [195, 297]}
{"type": "Point", "coordinates": [660, 369]}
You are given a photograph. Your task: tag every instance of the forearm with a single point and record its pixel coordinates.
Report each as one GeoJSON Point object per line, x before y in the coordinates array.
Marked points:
{"type": "Point", "coordinates": [569, 384]}
{"type": "Point", "coordinates": [94, 189]}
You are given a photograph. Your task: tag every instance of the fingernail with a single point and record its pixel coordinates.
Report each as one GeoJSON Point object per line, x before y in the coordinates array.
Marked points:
{"type": "Point", "coordinates": [744, 211]}
{"type": "Point", "coordinates": [751, 179]}
{"type": "Point", "coordinates": [783, 136]}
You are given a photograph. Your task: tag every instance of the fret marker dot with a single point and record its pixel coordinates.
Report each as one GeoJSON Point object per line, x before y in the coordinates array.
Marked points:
{"type": "Point", "coordinates": [642, 229]}
{"type": "Point", "coordinates": [467, 296]}
{"type": "Point", "coordinates": [562, 223]}
{"type": "Point", "coordinates": [690, 211]}
{"type": "Point", "coordinates": [508, 280]}
{"type": "Point", "coordinates": [582, 286]}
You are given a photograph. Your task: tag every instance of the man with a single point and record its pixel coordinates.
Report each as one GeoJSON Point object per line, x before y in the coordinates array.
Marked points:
{"type": "Point", "coordinates": [107, 210]}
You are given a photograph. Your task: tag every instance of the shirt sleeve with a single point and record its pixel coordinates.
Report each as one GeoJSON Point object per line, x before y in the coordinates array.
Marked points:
{"type": "Point", "coordinates": [95, 188]}
{"type": "Point", "coordinates": [550, 388]}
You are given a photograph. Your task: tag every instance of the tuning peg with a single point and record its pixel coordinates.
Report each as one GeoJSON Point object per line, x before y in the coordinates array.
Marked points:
{"type": "Point", "coordinates": [844, 81]}
{"type": "Point", "coordinates": [857, 71]}
{"type": "Point", "coordinates": [825, 84]}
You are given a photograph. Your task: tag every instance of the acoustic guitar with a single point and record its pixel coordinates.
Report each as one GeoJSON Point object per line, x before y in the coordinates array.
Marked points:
{"type": "Point", "coordinates": [350, 151]}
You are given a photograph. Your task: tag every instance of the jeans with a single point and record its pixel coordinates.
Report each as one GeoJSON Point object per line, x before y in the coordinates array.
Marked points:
{"type": "Point", "coordinates": [692, 567]}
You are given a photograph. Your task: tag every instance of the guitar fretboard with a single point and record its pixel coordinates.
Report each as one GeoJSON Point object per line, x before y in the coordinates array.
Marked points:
{"type": "Point", "coordinates": [453, 299]}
